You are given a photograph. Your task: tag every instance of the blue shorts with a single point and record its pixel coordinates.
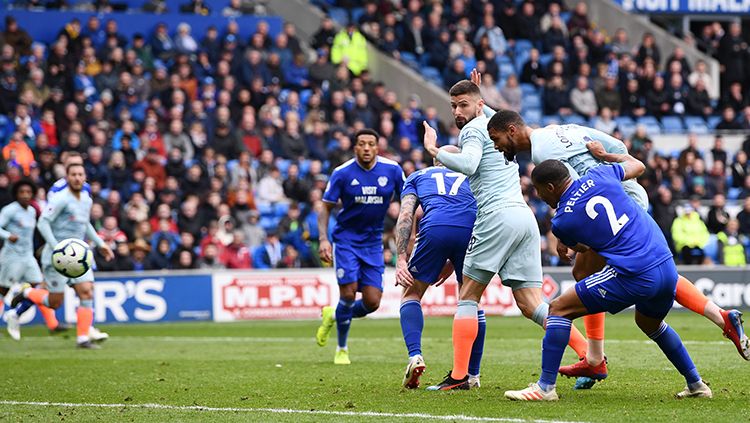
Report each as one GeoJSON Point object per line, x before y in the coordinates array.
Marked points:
{"type": "Point", "coordinates": [359, 264]}
{"type": "Point", "coordinates": [652, 292]}
{"type": "Point", "coordinates": [436, 245]}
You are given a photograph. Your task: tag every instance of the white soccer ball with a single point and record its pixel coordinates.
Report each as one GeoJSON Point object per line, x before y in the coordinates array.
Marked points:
{"type": "Point", "coordinates": [72, 258]}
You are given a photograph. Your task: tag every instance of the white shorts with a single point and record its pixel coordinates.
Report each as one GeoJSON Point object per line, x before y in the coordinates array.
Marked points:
{"type": "Point", "coordinates": [505, 242]}
{"type": "Point", "coordinates": [19, 270]}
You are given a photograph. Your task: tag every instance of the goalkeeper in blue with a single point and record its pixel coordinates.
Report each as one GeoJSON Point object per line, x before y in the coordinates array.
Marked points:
{"type": "Point", "coordinates": [595, 213]}
{"type": "Point", "coordinates": [448, 213]}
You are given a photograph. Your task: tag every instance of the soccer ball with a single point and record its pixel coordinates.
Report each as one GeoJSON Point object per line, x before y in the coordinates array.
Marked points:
{"type": "Point", "coordinates": [72, 258]}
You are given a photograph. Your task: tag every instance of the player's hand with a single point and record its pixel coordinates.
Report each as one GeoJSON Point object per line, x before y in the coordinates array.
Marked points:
{"type": "Point", "coordinates": [403, 275]}
{"type": "Point", "coordinates": [325, 252]}
{"type": "Point", "coordinates": [106, 252]}
{"type": "Point", "coordinates": [476, 77]}
{"type": "Point", "coordinates": [445, 273]}
{"type": "Point", "coordinates": [430, 139]}
{"type": "Point", "coordinates": [596, 149]}
{"type": "Point", "coordinates": [563, 251]}
{"type": "Point", "coordinates": [12, 239]}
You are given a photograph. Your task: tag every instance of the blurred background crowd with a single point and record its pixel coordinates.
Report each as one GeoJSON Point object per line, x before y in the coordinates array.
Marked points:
{"type": "Point", "coordinates": [211, 149]}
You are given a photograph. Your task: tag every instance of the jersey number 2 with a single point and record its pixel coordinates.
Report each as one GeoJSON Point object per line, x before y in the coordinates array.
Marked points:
{"type": "Point", "coordinates": [440, 181]}
{"type": "Point", "coordinates": [614, 222]}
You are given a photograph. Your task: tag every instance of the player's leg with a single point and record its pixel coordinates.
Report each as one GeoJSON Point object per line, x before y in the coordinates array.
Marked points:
{"type": "Point", "coordinates": [26, 270]}
{"type": "Point", "coordinates": [587, 264]}
{"type": "Point", "coordinates": [347, 295]}
{"type": "Point", "coordinates": [346, 265]}
{"type": "Point", "coordinates": [730, 321]}
{"type": "Point", "coordinates": [370, 279]}
{"type": "Point", "coordinates": [84, 314]}
{"type": "Point", "coordinates": [412, 324]}
{"type": "Point", "coordinates": [562, 311]}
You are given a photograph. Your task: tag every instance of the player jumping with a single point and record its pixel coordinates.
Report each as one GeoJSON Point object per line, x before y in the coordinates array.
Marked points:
{"type": "Point", "coordinates": [17, 223]}
{"type": "Point", "coordinates": [505, 238]}
{"type": "Point", "coordinates": [444, 232]}
{"type": "Point", "coordinates": [67, 216]}
{"type": "Point", "coordinates": [365, 186]}
{"type": "Point", "coordinates": [595, 213]}
{"type": "Point", "coordinates": [570, 144]}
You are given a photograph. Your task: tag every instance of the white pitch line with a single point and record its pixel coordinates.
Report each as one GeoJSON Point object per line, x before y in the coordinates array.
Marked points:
{"type": "Point", "coordinates": [457, 417]}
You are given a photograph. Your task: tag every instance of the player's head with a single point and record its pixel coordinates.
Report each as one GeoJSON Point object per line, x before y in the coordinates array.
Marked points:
{"type": "Point", "coordinates": [506, 129]}
{"type": "Point", "coordinates": [72, 157]}
{"type": "Point", "coordinates": [550, 178]}
{"type": "Point", "coordinates": [466, 102]}
{"type": "Point", "coordinates": [447, 149]}
{"type": "Point", "coordinates": [366, 146]}
{"type": "Point", "coordinates": [23, 191]}
{"type": "Point", "coordinates": [75, 174]}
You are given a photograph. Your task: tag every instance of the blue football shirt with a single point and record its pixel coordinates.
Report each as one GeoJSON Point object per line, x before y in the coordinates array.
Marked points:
{"type": "Point", "coordinates": [445, 197]}
{"type": "Point", "coordinates": [365, 196]}
{"type": "Point", "coordinates": [597, 212]}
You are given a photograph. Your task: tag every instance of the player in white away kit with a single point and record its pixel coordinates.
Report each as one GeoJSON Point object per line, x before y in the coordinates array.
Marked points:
{"type": "Point", "coordinates": [505, 237]}
{"type": "Point", "coordinates": [574, 145]}
{"type": "Point", "coordinates": [67, 216]}
{"type": "Point", "coordinates": [17, 223]}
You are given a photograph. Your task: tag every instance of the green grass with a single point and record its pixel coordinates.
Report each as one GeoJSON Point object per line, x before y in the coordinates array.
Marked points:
{"type": "Point", "coordinates": [277, 365]}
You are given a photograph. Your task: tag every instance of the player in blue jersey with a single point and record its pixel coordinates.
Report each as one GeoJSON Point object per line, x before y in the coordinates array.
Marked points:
{"type": "Point", "coordinates": [67, 215]}
{"type": "Point", "coordinates": [17, 223]}
{"type": "Point", "coordinates": [365, 186]}
{"type": "Point", "coordinates": [595, 213]}
{"type": "Point", "coordinates": [572, 144]}
{"type": "Point", "coordinates": [449, 210]}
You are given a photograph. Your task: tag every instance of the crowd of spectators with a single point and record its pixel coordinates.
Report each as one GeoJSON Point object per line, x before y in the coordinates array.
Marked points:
{"type": "Point", "coordinates": [212, 150]}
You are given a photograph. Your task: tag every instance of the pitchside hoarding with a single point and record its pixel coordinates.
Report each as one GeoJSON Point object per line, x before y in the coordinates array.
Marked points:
{"type": "Point", "coordinates": [686, 7]}
{"type": "Point", "coordinates": [249, 295]}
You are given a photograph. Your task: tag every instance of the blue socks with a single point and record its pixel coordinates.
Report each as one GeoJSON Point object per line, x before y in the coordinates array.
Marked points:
{"type": "Point", "coordinates": [412, 323]}
{"type": "Point", "coordinates": [671, 344]}
{"type": "Point", "coordinates": [477, 347]}
{"type": "Point", "coordinates": [553, 346]}
{"type": "Point", "coordinates": [343, 320]}
{"type": "Point", "coordinates": [359, 309]}
{"type": "Point", "coordinates": [21, 308]}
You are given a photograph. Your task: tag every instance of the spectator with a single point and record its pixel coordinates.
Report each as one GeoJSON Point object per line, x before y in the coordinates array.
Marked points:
{"type": "Point", "coordinates": [123, 261]}
{"type": "Point", "coordinates": [556, 98]}
{"type": "Point", "coordinates": [698, 100]}
{"type": "Point", "coordinates": [690, 236]}
{"type": "Point", "coordinates": [350, 48]}
{"type": "Point", "coordinates": [604, 121]}
{"type": "Point", "coordinates": [495, 36]}
{"type": "Point", "coordinates": [325, 35]}
{"type": "Point", "coordinates": [159, 258]}
{"type": "Point", "coordinates": [701, 74]}
{"type": "Point", "coordinates": [140, 253]}
{"type": "Point", "coordinates": [657, 99]}
{"type": "Point", "coordinates": [579, 24]}
{"type": "Point", "coordinates": [743, 217]}
{"type": "Point", "coordinates": [254, 233]}
{"type": "Point", "coordinates": [583, 99]}
{"type": "Point", "coordinates": [718, 217]}
{"type": "Point", "coordinates": [732, 245]}
{"type": "Point", "coordinates": [18, 154]}
{"type": "Point", "coordinates": [197, 7]}
{"type": "Point", "coordinates": [16, 37]}
{"type": "Point", "coordinates": [648, 49]}
{"type": "Point", "coordinates": [184, 43]}
{"type": "Point", "coordinates": [609, 96]}
{"type": "Point", "coordinates": [210, 259]}
{"type": "Point", "coordinates": [152, 166]}
{"type": "Point", "coordinates": [268, 255]}
{"type": "Point", "coordinates": [177, 139]}
{"type": "Point", "coordinates": [728, 121]}
{"type": "Point", "coordinates": [511, 93]}
{"type": "Point", "coordinates": [734, 98]}
{"type": "Point", "coordinates": [491, 94]}
{"type": "Point", "coordinates": [717, 151]}
{"type": "Point", "coordinates": [270, 189]}
{"type": "Point", "coordinates": [739, 169]}
{"type": "Point", "coordinates": [532, 72]}
{"type": "Point", "coordinates": [733, 61]}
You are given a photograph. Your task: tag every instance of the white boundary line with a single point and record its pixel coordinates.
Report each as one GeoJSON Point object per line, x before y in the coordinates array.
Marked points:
{"type": "Point", "coordinates": [458, 417]}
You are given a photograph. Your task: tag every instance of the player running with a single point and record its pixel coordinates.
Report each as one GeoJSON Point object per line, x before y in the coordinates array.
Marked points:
{"type": "Point", "coordinates": [570, 144]}
{"type": "Point", "coordinates": [365, 186]}
{"type": "Point", "coordinates": [505, 237]}
{"type": "Point", "coordinates": [444, 232]}
{"type": "Point", "coordinates": [595, 213]}
{"type": "Point", "coordinates": [67, 216]}
{"type": "Point", "coordinates": [17, 223]}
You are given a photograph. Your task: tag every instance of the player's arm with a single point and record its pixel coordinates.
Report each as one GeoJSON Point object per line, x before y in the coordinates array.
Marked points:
{"type": "Point", "coordinates": [476, 78]}
{"type": "Point", "coordinates": [610, 143]}
{"type": "Point", "coordinates": [633, 167]}
{"type": "Point", "coordinates": [102, 246]}
{"type": "Point", "coordinates": [4, 220]}
{"type": "Point", "coordinates": [466, 162]}
{"type": "Point", "coordinates": [325, 250]}
{"type": "Point", "coordinates": [404, 226]}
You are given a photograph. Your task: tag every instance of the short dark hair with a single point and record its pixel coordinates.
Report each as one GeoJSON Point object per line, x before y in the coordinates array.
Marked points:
{"type": "Point", "coordinates": [72, 165]}
{"type": "Point", "coordinates": [366, 131]}
{"type": "Point", "coordinates": [464, 87]}
{"type": "Point", "coordinates": [22, 182]}
{"type": "Point", "coordinates": [504, 118]}
{"type": "Point", "coordinates": [550, 172]}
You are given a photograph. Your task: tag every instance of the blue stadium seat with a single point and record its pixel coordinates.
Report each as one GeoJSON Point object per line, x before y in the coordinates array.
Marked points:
{"type": "Point", "coordinates": [712, 248]}
{"type": "Point", "coordinates": [713, 121]}
{"type": "Point", "coordinates": [507, 69]}
{"type": "Point", "coordinates": [429, 72]}
{"type": "Point", "coordinates": [265, 209]}
{"type": "Point", "coordinates": [532, 116]}
{"type": "Point", "coordinates": [304, 96]}
{"type": "Point", "coordinates": [521, 58]}
{"type": "Point", "coordinates": [626, 125]}
{"type": "Point", "coordinates": [734, 193]}
{"type": "Point", "coordinates": [528, 89]}
{"type": "Point", "coordinates": [504, 59]}
{"type": "Point", "coordinates": [523, 45]}
{"type": "Point", "coordinates": [339, 15]}
{"type": "Point", "coordinates": [304, 167]}
{"type": "Point", "coordinates": [357, 13]}
{"type": "Point", "coordinates": [672, 125]}
{"type": "Point", "coordinates": [280, 209]}
{"type": "Point", "coordinates": [283, 165]}
{"type": "Point", "coordinates": [531, 101]}
{"type": "Point", "coordinates": [268, 223]}
{"type": "Point", "coordinates": [410, 60]}
{"type": "Point", "coordinates": [696, 124]}
{"type": "Point", "coordinates": [551, 120]}
{"type": "Point", "coordinates": [651, 124]}
{"type": "Point", "coordinates": [544, 59]}
{"type": "Point", "coordinates": [574, 119]}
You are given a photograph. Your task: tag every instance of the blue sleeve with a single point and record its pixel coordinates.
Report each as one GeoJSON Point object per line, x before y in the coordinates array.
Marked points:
{"type": "Point", "coordinates": [333, 189]}
{"type": "Point", "coordinates": [399, 178]}
{"type": "Point", "coordinates": [410, 186]}
{"type": "Point", "coordinates": [562, 236]}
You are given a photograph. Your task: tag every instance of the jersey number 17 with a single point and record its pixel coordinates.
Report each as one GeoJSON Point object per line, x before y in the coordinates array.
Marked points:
{"type": "Point", "coordinates": [440, 182]}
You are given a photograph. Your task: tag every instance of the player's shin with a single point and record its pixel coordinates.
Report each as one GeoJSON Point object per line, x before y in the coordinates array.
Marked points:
{"type": "Point", "coordinates": [594, 324]}
{"type": "Point", "coordinates": [360, 309]}
{"type": "Point", "coordinates": [671, 344]}
{"type": "Point", "coordinates": [85, 317]}
{"type": "Point", "coordinates": [553, 347]}
{"type": "Point", "coordinates": [693, 299]}
{"type": "Point", "coordinates": [412, 324]}
{"type": "Point", "coordinates": [465, 328]}
{"type": "Point", "coordinates": [343, 320]}
{"type": "Point", "coordinates": [49, 317]}
{"type": "Point", "coordinates": [24, 306]}
{"type": "Point", "coordinates": [477, 348]}
{"type": "Point", "coordinates": [577, 341]}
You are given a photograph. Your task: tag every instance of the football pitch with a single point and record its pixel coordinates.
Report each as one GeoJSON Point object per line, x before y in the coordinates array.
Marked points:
{"type": "Point", "coordinates": [274, 371]}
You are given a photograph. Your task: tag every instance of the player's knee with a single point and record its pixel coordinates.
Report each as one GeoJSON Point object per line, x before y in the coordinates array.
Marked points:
{"type": "Point", "coordinates": [372, 304]}
{"type": "Point", "coordinates": [580, 273]}
{"type": "Point", "coordinates": [54, 302]}
{"type": "Point", "coordinates": [4, 290]}
{"type": "Point", "coordinates": [527, 310]}
{"type": "Point", "coordinates": [558, 308]}
{"type": "Point", "coordinates": [86, 293]}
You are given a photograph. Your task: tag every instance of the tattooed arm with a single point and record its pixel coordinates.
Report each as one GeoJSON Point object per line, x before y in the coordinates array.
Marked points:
{"type": "Point", "coordinates": [404, 227]}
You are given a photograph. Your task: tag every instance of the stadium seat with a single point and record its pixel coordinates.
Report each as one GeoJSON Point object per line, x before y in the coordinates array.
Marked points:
{"type": "Point", "coordinates": [410, 60]}
{"type": "Point", "coordinates": [280, 209]}
{"type": "Point", "coordinates": [712, 248]}
{"type": "Point", "coordinates": [626, 125]}
{"type": "Point", "coordinates": [696, 125]}
{"type": "Point", "coordinates": [265, 210]}
{"type": "Point", "coordinates": [532, 116]}
{"type": "Point", "coordinates": [304, 167]}
{"type": "Point", "coordinates": [713, 121]}
{"type": "Point", "coordinates": [523, 45]}
{"type": "Point", "coordinates": [651, 124]}
{"type": "Point", "coordinates": [521, 58]}
{"type": "Point", "coordinates": [527, 89]}
{"type": "Point", "coordinates": [507, 69]}
{"type": "Point", "coordinates": [339, 15]}
{"type": "Point", "coordinates": [544, 60]}
{"type": "Point", "coordinates": [672, 125]}
{"type": "Point", "coordinates": [574, 119]}
{"type": "Point", "coordinates": [551, 120]}
{"type": "Point", "coordinates": [283, 165]}
{"type": "Point", "coordinates": [531, 101]}
{"type": "Point", "coordinates": [734, 193]}
{"type": "Point", "coordinates": [268, 223]}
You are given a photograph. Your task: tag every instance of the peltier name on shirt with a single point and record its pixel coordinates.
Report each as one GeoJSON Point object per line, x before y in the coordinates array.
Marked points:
{"type": "Point", "coordinates": [585, 185]}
